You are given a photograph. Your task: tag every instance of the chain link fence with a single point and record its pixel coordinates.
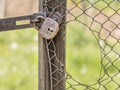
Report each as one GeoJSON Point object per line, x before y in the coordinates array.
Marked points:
{"type": "Point", "coordinates": [102, 18]}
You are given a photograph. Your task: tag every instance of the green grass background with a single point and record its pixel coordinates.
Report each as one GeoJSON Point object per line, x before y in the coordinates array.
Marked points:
{"type": "Point", "coordinates": [18, 60]}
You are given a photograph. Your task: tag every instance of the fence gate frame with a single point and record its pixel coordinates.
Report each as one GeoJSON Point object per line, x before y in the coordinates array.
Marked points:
{"type": "Point", "coordinates": [60, 42]}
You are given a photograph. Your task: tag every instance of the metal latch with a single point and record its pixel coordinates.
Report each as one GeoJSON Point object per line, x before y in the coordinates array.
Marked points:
{"type": "Point", "coordinates": [15, 23]}
{"type": "Point", "coordinates": [47, 25]}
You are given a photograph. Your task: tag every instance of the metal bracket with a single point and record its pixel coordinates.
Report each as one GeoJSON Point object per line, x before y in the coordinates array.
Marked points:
{"type": "Point", "coordinates": [16, 23]}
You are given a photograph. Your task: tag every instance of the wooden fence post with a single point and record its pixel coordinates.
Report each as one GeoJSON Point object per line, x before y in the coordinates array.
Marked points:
{"type": "Point", "coordinates": [60, 40]}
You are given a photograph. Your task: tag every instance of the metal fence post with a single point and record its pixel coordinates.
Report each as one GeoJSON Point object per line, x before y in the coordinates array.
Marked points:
{"type": "Point", "coordinates": [44, 75]}
{"type": "Point", "coordinates": [41, 58]}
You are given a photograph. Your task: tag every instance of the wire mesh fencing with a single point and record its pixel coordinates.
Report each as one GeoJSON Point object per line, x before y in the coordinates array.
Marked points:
{"type": "Point", "coordinates": [101, 17]}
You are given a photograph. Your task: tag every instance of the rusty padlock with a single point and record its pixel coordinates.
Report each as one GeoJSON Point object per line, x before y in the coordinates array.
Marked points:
{"type": "Point", "coordinates": [49, 28]}
{"type": "Point", "coordinates": [50, 25]}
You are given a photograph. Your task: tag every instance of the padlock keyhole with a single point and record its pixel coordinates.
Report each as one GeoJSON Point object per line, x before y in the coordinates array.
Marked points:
{"type": "Point", "coordinates": [50, 30]}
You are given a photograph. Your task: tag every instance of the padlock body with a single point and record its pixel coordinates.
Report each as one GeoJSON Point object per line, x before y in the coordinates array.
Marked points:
{"type": "Point", "coordinates": [49, 28]}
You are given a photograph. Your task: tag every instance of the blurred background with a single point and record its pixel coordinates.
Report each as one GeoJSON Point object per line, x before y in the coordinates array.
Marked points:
{"type": "Point", "coordinates": [19, 49]}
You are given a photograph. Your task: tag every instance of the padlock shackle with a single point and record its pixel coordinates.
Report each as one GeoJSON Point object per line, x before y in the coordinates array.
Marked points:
{"type": "Point", "coordinates": [38, 19]}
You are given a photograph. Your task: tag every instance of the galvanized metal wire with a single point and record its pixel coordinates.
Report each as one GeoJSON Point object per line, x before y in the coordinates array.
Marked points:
{"type": "Point", "coordinates": [103, 20]}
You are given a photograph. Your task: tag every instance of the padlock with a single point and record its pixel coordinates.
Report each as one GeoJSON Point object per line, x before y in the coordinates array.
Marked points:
{"type": "Point", "coordinates": [47, 25]}
{"type": "Point", "coordinates": [49, 28]}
